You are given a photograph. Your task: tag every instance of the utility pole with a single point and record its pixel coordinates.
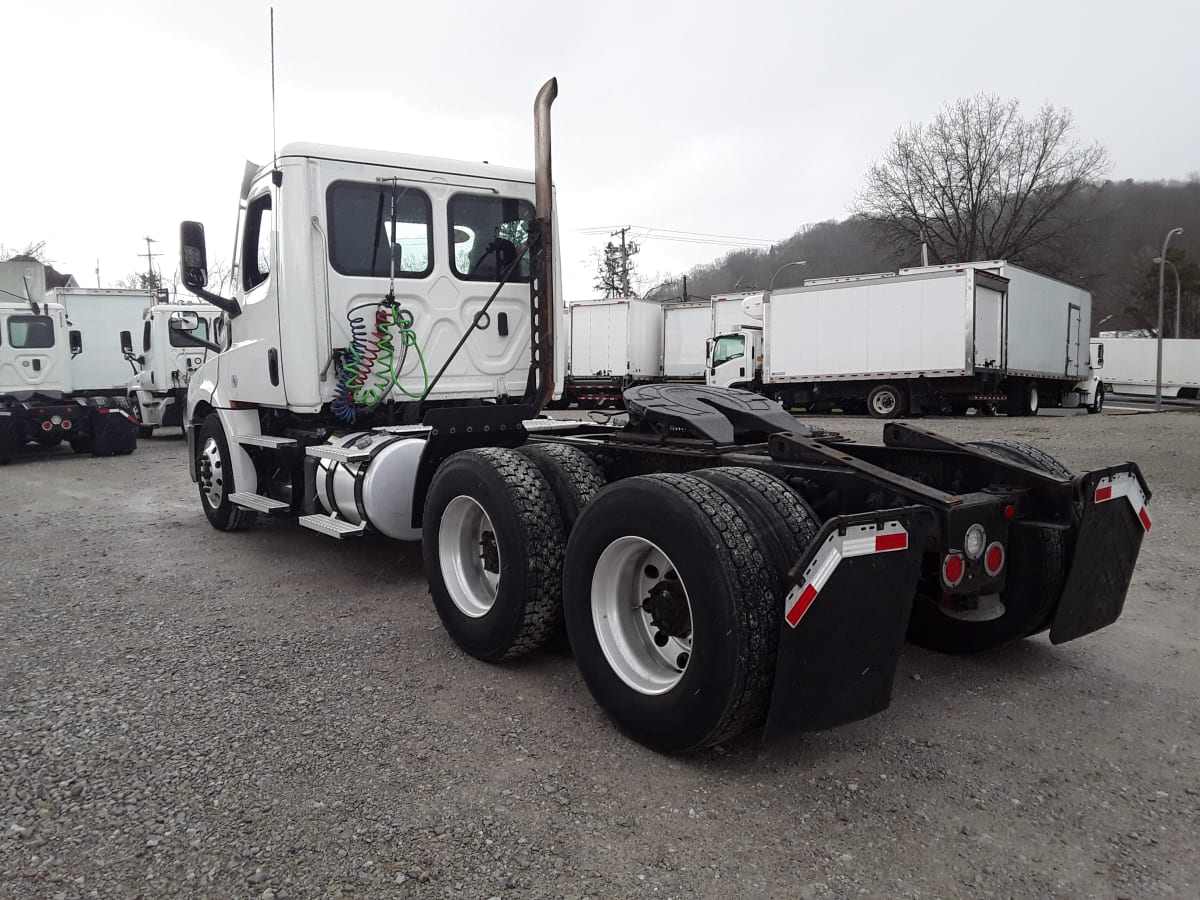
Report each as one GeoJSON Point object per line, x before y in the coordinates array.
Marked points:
{"type": "Point", "coordinates": [624, 261]}
{"type": "Point", "coordinates": [97, 273]}
{"type": "Point", "coordinates": [149, 260]}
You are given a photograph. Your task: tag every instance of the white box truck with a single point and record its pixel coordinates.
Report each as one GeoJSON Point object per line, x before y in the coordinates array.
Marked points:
{"type": "Point", "coordinates": [689, 327]}
{"type": "Point", "coordinates": [100, 315]}
{"type": "Point", "coordinates": [614, 343]}
{"type": "Point", "coordinates": [1131, 366]}
{"type": "Point", "coordinates": [936, 339]}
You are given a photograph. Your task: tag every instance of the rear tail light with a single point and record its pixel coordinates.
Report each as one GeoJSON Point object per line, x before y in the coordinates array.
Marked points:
{"type": "Point", "coordinates": [47, 426]}
{"type": "Point", "coordinates": [953, 569]}
{"type": "Point", "coordinates": [66, 424]}
{"type": "Point", "coordinates": [993, 558]}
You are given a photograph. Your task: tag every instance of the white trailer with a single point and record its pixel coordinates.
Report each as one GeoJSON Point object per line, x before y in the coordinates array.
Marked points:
{"type": "Point", "coordinates": [614, 343]}
{"type": "Point", "coordinates": [167, 358]}
{"type": "Point", "coordinates": [1131, 366]}
{"type": "Point", "coordinates": [100, 315]}
{"type": "Point", "coordinates": [941, 338]}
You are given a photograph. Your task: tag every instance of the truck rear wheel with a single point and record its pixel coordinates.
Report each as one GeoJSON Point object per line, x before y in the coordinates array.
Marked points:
{"type": "Point", "coordinates": [1097, 404]}
{"type": "Point", "coordinates": [672, 611]}
{"type": "Point", "coordinates": [573, 478]}
{"type": "Point", "coordinates": [887, 401]}
{"type": "Point", "coordinates": [1024, 399]}
{"type": "Point", "coordinates": [215, 479]}
{"type": "Point", "coordinates": [493, 547]}
{"type": "Point", "coordinates": [1033, 585]}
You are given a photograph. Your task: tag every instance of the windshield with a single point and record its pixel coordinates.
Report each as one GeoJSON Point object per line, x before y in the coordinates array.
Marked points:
{"type": "Point", "coordinates": [31, 332]}
{"type": "Point", "coordinates": [729, 346]}
{"type": "Point", "coordinates": [200, 331]}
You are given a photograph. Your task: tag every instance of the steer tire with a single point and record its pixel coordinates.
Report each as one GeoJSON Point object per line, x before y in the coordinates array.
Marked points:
{"type": "Point", "coordinates": [1097, 404]}
{"type": "Point", "coordinates": [528, 535]}
{"type": "Point", "coordinates": [223, 515]}
{"type": "Point", "coordinates": [710, 542]}
{"type": "Point", "coordinates": [1036, 565]}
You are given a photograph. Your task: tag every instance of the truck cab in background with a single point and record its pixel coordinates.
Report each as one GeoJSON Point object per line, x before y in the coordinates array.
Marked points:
{"type": "Point", "coordinates": [166, 359]}
{"type": "Point", "coordinates": [735, 359]}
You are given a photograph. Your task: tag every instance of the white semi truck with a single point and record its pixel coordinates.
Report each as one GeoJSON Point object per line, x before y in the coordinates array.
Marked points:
{"type": "Point", "coordinates": [165, 361]}
{"type": "Point", "coordinates": [613, 345]}
{"type": "Point", "coordinates": [40, 402]}
{"type": "Point", "coordinates": [1131, 366]}
{"type": "Point", "coordinates": [717, 564]}
{"type": "Point", "coordinates": [942, 338]}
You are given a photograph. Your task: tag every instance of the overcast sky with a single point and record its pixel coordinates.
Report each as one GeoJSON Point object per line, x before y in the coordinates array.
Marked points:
{"type": "Point", "coordinates": [743, 119]}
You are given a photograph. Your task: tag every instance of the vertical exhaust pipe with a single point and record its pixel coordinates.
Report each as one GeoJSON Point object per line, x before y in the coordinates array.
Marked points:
{"type": "Point", "coordinates": [542, 330]}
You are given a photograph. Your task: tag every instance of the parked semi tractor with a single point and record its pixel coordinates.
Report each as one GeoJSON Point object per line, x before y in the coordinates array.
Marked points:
{"type": "Point", "coordinates": [924, 340]}
{"type": "Point", "coordinates": [168, 356]}
{"type": "Point", "coordinates": [613, 345]}
{"type": "Point", "coordinates": [1131, 366]}
{"type": "Point", "coordinates": [39, 399]}
{"type": "Point", "coordinates": [717, 564]}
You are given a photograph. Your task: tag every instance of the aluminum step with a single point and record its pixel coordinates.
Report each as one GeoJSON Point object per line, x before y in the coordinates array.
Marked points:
{"type": "Point", "coordinates": [403, 429]}
{"type": "Point", "coordinates": [257, 502]}
{"type": "Point", "coordinates": [266, 440]}
{"type": "Point", "coordinates": [338, 454]}
{"type": "Point", "coordinates": [335, 528]}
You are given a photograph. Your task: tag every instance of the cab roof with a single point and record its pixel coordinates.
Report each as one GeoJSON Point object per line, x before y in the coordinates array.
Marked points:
{"type": "Point", "coordinates": [424, 164]}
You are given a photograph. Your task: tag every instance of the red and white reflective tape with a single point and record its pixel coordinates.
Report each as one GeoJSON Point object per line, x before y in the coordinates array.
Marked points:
{"type": "Point", "coordinates": [1124, 484]}
{"type": "Point", "coordinates": [859, 540]}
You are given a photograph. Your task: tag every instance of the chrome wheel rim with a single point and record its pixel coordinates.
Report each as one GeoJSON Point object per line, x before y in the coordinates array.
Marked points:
{"type": "Point", "coordinates": [1033, 400]}
{"type": "Point", "coordinates": [469, 556]}
{"type": "Point", "coordinates": [212, 473]}
{"type": "Point", "coordinates": [642, 615]}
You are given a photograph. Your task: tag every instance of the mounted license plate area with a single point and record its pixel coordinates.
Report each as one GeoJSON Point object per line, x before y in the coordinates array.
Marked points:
{"type": "Point", "coordinates": [844, 620]}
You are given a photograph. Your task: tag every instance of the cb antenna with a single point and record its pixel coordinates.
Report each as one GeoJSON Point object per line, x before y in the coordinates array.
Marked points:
{"type": "Point", "coordinates": [274, 142]}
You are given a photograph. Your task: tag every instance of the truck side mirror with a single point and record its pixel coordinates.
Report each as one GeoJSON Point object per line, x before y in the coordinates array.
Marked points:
{"type": "Point", "coordinates": [76, 341]}
{"type": "Point", "coordinates": [184, 321]}
{"type": "Point", "coordinates": [193, 256]}
{"type": "Point", "coordinates": [126, 343]}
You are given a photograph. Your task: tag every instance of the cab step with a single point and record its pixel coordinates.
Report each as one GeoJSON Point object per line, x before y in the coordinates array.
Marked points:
{"type": "Point", "coordinates": [266, 440]}
{"type": "Point", "coordinates": [332, 527]}
{"type": "Point", "coordinates": [257, 502]}
{"type": "Point", "coordinates": [338, 454]}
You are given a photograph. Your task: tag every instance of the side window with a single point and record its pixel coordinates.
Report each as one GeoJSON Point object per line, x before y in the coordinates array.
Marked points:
{"type": "Point", "coordinates": [360, 228]}
{"type": "Point", "coordinates": [256, 243]}
{"type": "Point", "coordinates": [487, 232]}
{"type": "Point", "coordinates": [146, 337]}
{"type": "Point", "coordinates": [728, 347]}
{"type": "Point", "coordinates": [31, 332]}
{"type": "Point", "coordinates": [200, 331]}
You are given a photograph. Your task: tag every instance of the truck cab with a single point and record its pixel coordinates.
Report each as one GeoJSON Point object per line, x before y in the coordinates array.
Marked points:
{"type": "Point", "coordinates": [35, 349]}
{"type": "Point", "coordinates": [166, 360]}
{"type": "Point", "coordinates": [735, 359]}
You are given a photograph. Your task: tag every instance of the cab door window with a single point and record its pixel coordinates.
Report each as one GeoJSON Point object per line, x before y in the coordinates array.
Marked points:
{"type": "Point", "coordinates": [31, 332]}
{"type": "Point", "coordinates": [256, 243]}
{"type": "Point", "coordinates": [487, 232]}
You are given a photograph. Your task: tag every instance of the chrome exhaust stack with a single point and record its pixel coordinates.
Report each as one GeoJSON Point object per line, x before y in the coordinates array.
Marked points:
{"type": "Point", "coordinates": [541, 374]}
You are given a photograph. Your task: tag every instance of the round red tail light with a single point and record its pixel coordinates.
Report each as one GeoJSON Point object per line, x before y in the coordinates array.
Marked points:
{"type": "Point", "coordinates": [46, 426]}
{"type": "Point", "coordinates": [953, 569]}
{"type": "Point", "coordinates": [993, 558]}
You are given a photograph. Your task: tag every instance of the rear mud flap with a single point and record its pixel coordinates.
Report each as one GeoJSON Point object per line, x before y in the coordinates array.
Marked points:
{"type": "Point", "coordinates": [113, 431]}
{"type": "Point", "coordinates": [1109, 538]}
{"type": "Point", "coordinates": [844, 621]}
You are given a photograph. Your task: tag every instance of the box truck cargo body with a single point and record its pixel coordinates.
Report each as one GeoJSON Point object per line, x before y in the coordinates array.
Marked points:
{"type": "Point", "coordinates": [100, 315]}
{"type": "Point", "coordinates": [613, 344]}
{"type": "Point", "coordinates": [1131, 366]}
{"type": "Point", "coordinates": [936, 339]}
{"type": "Point", "coordinates": [688, 328]}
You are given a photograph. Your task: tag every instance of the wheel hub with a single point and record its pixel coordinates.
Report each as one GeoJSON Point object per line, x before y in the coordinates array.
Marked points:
{"type": "Point", "coordinates": [469, 554]}
{"type": "Point", "coordinates": [211, 473]}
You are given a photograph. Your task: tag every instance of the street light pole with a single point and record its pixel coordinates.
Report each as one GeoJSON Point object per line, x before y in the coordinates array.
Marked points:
{"type": "Point", "coordinates": [1162, 258]}
{"type": "Point", "coordinates": [798, 262]}
{"type": "Point", "coordinates": [1178, 309]}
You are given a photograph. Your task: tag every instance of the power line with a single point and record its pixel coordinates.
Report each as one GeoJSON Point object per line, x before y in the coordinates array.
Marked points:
{"type": "Point", "coordinates": [680, 235]}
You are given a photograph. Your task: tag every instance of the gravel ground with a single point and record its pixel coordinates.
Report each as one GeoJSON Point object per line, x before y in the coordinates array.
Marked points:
{"type": "Point", "coordinates": [185, 713]}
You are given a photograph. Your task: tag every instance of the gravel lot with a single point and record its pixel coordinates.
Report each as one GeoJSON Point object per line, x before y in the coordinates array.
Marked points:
{"type": "Point", "coordinates": [275, 714]}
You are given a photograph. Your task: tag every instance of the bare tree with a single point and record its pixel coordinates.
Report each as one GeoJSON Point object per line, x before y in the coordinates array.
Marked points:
{"type": "Point", "coordinates": [982, 182]}
{"type": "Point", "coordinates": [35, 251]}
{"type": "Point", "coordinates": [615, 269]}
